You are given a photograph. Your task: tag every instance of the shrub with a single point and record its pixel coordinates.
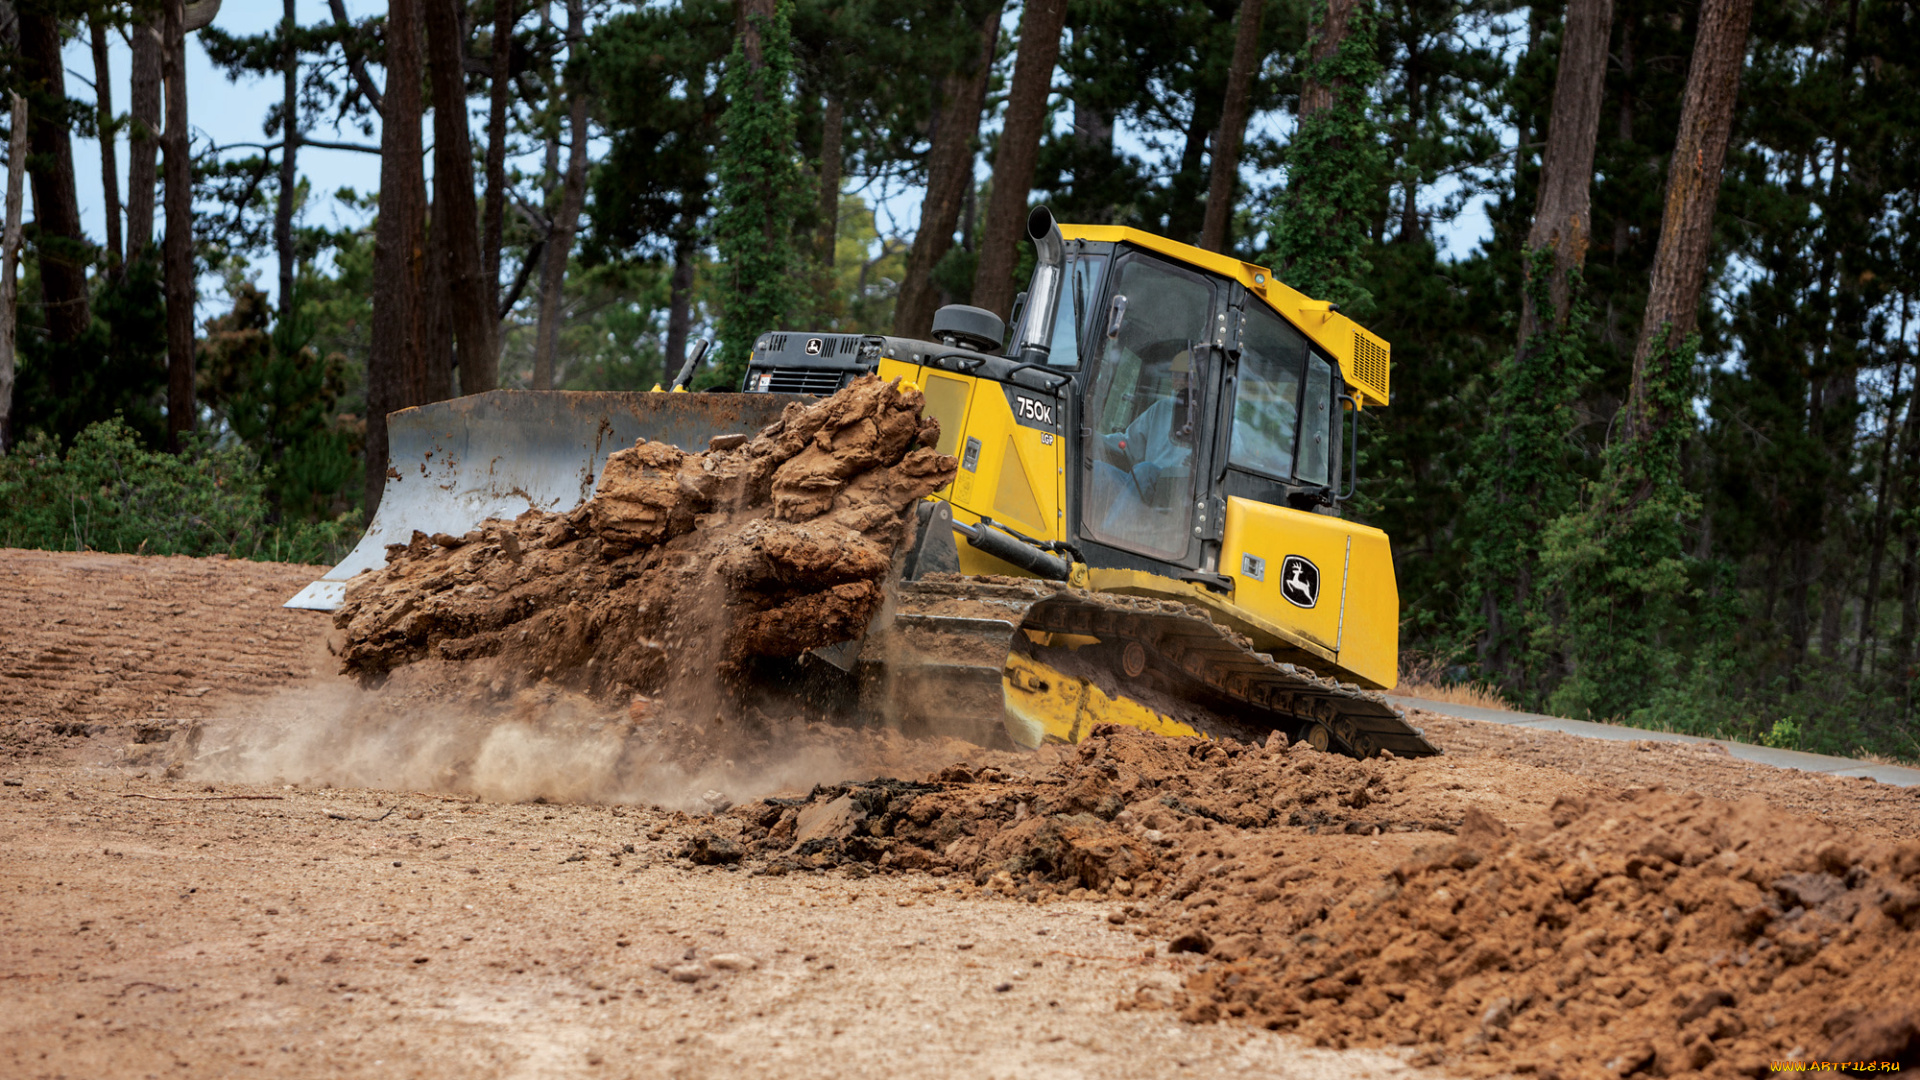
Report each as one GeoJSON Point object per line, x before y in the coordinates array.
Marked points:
{"type": "Point", "coordinates": [109, 493]}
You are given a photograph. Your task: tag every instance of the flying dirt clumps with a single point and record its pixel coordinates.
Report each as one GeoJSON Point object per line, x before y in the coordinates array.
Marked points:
{"type": "Point", "coordinates": [769, 545]}
{"type": "Point", "coordinates": [1651, 933]}
{"type": "Point", "coordinates": [1122, 811]}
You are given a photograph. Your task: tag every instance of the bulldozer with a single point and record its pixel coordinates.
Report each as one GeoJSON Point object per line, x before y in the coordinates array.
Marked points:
{"type": "Point", "coordinates": [1145, 527]}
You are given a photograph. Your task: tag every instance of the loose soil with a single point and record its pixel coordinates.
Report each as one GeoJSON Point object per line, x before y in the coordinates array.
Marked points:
{"type": "Point", "coordinates": [1529, 903]}
{"type": "Point", "coordinates": [682, 566]}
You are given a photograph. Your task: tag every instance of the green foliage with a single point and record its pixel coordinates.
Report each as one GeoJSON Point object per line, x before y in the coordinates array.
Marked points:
{"type": "Point", "coordinates": [761, 197]}
{"type": "Point", "coordinates": [1336, 168]}
{"type": "Point", "coordinates": [657, 70]}
{"type": "Point", "coordinates": [1618, 560]}
{"type": "Point", "coordinates": [278, 396]}
{"type": "Point", "coordinates": [1179, 52]}
{"type": "Point", "coordinates": [108, 493]}
{"type": "Point", "coordinates": [867, 269]}
{"type": "Point", "coordinates": [118, 367]}
{"type": "Point", "coordinates": [1525, 475]}
{"type": "Point", "coordinates": [1783, 735]}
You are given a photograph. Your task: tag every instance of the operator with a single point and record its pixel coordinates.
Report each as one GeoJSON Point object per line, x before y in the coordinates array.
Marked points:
{"type": "Point", "coordinates": [1157, 445]}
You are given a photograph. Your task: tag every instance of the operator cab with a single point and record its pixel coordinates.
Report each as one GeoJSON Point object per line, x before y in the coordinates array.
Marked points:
{"type": "Point", "coordinates": [1172, 379]}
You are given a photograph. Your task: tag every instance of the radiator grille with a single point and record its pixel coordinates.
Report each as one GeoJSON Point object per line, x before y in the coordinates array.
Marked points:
{"type": "Point", "coordinates": [800, 381]}
{"type": "Point", "coordinates": [1370, 362]}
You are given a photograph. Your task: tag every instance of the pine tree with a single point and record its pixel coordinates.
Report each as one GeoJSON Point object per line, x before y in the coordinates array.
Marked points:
{"type": "Point", "coordinates": [1335, 165]}
{"type": "Point", "coordinates": [1523, 478]}
{"type": "Point", "coordinates": [1619, 562]}
{"type": "Point", "coordinates": [761, 194]}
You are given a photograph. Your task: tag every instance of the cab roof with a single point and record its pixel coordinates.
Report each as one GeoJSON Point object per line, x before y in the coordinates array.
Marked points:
{"type": "Point", "coordinates": [1362, 355]}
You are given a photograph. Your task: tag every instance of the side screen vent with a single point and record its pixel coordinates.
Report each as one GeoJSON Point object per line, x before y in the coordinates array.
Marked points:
{"type": "Point", "coordinates": [1370, 362]}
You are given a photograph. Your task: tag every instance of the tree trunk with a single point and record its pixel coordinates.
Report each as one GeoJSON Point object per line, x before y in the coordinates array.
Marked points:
{"type": "Point", "coordinates": [1693, 188]}
{"type": "Point", "coordinates": [1316, 96]}
{"type": "Point", "coordinates": [396, 354]}
{"type": "Point", "coordinates": [679, 309]}
{"type": "Point", "coordinates": [505, 14]}
{"type": "Point", "coordinates": [436, 305]}
{"type": "Point", "coordinates": [1561, 217]}
{"type": "Point", "coordinates": [1233, 126]}
{"type": "Point", "coordinates": [10, 266]}
{"type": "Point", "coordinates": [573, 196]}
{"type": "Point", "coordinates": [550, 172]}
{"type": "Point", "coordinates": [471, 296]}
{"type": "Point", "coordinates": [963, 94]}
{"type": "Point", "coordinates": [56, 207]}
{"type": "Point", "coordinates": [831, 134]}
{"type": "Point", "coordinates": [1017, 152]}
{"type": "Point", "coordinates": [289, 152]}
{"type": "Point", "coordinates": [176, 257]}
{"type": "Point", "coordinates": [143, 137]}
{"type": "Point", "coordinates": [1883, 503]}
{"type": "Point", "coordinates": [109, 139]}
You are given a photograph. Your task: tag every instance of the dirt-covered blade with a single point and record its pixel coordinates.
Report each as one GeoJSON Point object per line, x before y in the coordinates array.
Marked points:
{"type": "Point", "coordinates": [453, 464]}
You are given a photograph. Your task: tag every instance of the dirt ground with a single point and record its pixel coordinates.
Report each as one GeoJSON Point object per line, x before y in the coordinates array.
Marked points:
{"type": "Point", "coordinates": [250, 919]}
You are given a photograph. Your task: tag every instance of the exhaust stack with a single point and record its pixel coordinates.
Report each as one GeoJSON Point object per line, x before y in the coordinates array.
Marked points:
{"type": "Point", "coordinates": [1050, 251]}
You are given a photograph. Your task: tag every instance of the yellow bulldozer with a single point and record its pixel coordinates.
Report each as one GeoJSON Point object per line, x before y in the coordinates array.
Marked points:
{"type": "Point", "coordinates": [1145, 526]}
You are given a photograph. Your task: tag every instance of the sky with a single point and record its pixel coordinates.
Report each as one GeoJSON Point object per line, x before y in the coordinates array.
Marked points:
{"type": "Point", "coordinates": [234, 112]}
{"type": "Point", "coordinates": [226, 112]}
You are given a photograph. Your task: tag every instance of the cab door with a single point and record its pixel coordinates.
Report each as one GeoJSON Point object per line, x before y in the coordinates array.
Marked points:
{"type": "Point", "coordinates": [1144, 424]}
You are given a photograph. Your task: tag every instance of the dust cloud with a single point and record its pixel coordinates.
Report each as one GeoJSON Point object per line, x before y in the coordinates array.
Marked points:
{"type": "Point", "coordinates": [539, 744]}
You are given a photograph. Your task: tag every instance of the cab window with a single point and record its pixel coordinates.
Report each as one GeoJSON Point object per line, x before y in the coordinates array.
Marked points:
{"type": "Point", "coordinates": [1283, 404]}
{"type": "Point", "coordinates": [1079, 289]}
{"type": "Point", "coordinates": [1140, 490]}
{"type": "Point", "coordinates": [1316, 423]}
{"type": "Point", "coordinates": [1266, 404]}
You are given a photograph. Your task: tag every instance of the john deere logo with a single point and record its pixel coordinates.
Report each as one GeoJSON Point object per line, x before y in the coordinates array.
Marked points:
{"type": "Point", "coordinates": [1300, 582]}
{"type": "Point", "coordinates": [814, 346]}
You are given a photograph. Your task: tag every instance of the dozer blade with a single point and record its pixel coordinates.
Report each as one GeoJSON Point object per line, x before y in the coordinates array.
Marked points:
{"type": "Point", "coordinates": [453, 464]}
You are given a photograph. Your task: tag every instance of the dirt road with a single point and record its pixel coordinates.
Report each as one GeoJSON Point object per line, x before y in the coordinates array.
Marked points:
{"type": "Point", "coordinates": [208, 926]}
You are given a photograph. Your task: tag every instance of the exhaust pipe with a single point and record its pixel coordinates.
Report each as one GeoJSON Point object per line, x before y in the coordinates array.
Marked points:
{"type": "Point", "coordinates": [1050, 260]}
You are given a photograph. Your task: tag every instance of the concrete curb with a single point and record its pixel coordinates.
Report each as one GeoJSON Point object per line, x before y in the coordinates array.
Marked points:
{"type": "Point", "coordinates": [1898, 775]}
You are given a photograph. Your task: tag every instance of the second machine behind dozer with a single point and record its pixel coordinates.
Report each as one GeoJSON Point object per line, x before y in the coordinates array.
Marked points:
{"type": "Point", "coordinates": [1145, 527]}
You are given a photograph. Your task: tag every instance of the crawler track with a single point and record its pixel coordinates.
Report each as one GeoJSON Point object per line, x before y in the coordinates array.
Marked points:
{"type": "Point", "coordinates": [943, 658]}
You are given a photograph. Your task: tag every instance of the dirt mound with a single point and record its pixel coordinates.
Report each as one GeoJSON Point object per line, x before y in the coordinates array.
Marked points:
{"type": "Point", "coordinates": [1651, 932]}
{"type": "Point", "coordinates": [762, 546]}
{"type": "Point", "coordinates": [1119, 810]}
{"type": "Point", "coordinates": [1656, 933]}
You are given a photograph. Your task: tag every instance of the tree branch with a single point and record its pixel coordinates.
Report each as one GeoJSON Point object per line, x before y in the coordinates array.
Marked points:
{"type": "Point", "coordinates": [520, 279]}
{"type": "Point", "coordinates": [302, 140]}
{"type": "Point", "coordinates": [355, 62]}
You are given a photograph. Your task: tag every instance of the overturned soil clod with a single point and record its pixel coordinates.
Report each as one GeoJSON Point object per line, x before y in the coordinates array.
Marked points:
{"type": "Point", "coordinates": [680, 565]}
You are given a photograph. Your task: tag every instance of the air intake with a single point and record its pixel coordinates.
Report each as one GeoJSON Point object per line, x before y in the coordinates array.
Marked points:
{"type": "Point", "coordinates": [1370, 363]}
